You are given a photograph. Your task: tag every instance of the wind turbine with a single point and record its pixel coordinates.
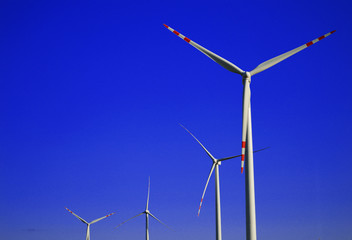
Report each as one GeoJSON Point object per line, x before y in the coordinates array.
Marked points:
{"type": "Point", "coordinates": [147, 214]}
{"type": "Point", "coordinates": [247, 143]}
{"type": "Point", "coordinates": [216, 164]}
{"type": "Point", "coordinates": [89, 223]}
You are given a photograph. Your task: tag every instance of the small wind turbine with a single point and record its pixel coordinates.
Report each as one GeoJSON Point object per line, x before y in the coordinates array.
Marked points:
{"type": "Point", "coordinates": [89, 223]}
{"type": "Point", "coordinates": [247, 144]}
{"type": "Point", "coordinates": [216, 164]}
{"type": "Point", "coordinates": [147, 214]}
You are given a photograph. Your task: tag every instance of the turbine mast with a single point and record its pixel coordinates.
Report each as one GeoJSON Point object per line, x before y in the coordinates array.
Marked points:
{"type": "Point", "coordinates": [146, 226]}
{"type": "Point", "coordinates": [217, 203]}
{"type": "Point", "coordinates": [251, 227]}
{"type": "Point", "coordinates": [88, 232]}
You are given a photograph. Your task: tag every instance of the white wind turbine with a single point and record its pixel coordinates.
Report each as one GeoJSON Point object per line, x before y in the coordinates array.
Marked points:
{"type": "Point", "coordinates": [216, 164]}
{"type": "Point", "coordinates": [147, 214]}
{"type": "Point", "coordinates": [89, 223]}
{"type": "Point", "coordinates": [247, 149]}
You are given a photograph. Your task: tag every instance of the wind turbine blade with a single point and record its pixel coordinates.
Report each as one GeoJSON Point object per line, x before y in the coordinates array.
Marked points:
{"type": "Point", "coordinates": [260, 149]}
{"type": "Point", "coordinates": [97, 220]}
{"type": "Point", "coordinates": [129, 219]}
{"type": "Point", "coordinates": [245, 109]}
{"type": "Point", "coordinates": [146, 208]}
{"type": "Point", "coordinates": [77, 216]}
{"type": "Point", "coordinates": [271, 62]}
{"type": "Point", "coordinates": [216, 58]}
{"type": "Point", "coordinates": [227, 158]}
{"type": "Point", "coordinates": [159, 220]}
{"type": "Point", "coordinates": [205, 188]}
{"type": "Point", "coordinates": [209, 154]}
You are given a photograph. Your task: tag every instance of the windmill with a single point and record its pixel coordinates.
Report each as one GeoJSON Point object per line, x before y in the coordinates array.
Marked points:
{"type": "Point", "coordinates": [147, 214]}
{"type": "Point", "coordinates": [247, 144]}
{"type": "Point", "coordinates": [89, 223]}
{"type": "Point", "coordinates": [216, 164]}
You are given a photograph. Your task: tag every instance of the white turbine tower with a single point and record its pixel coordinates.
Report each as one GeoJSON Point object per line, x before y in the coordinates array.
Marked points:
{"type": "Point", "coordinates": [147, 214]}
{"type": "Point", "coordinates": [89, 223]}
{"type": "Point", "coordinates": [247, 144]}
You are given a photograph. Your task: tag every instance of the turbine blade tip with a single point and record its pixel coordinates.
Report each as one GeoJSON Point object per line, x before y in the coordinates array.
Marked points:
{"type": "Point", "coordinates": [333, 31]}
{"type": "Point", "coordinates": [241, 170]}
{"type": "Point", "coordinates": [165, 25]}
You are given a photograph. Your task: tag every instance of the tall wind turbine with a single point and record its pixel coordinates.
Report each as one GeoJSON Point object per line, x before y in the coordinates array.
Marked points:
{"type": "Point", "coordinates": [89, 223]}
{"type": "Point", "coordinates": [247, 144]}
{"type": "Point", "coordinates": [147, 214]}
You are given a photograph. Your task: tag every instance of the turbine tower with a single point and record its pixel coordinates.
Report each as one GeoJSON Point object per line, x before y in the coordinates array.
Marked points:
{"type": "Point", "coordinates": [247, 143]}
{"type": "Point", "coordinates": [89, 223]}
{"type": "Point", "coordinates": [147, 214]}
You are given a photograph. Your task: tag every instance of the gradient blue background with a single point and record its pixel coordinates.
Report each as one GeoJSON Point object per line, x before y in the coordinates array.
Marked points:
{"type": "Point", "coordinates": [92, 93]}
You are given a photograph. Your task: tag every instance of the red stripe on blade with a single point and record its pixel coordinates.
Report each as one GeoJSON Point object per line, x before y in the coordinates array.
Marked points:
{"type": "Point", "coordinates": [166, 25]}
{"type": "Point", "coordinates": [322, 37]}
{"type": "Point", "coordinates": [243, 144]}
{"type": "Point", "coordinates": [177, 33]}
{"type": "Point", "coordinates": [187, 39]}
{"type": "Point", "coordinates": [309, 44]}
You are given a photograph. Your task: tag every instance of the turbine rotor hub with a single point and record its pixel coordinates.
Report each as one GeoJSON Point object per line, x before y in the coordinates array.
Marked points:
{"type": "Point", "coordinates": [246, 77]}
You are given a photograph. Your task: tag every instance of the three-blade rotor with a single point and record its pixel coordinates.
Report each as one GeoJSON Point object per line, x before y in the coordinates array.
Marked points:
{"type": "Point", "coordinates": [94, 221]}
{"type": "Point", "coordinates": [246, 77]}
{"type": "Point", "coordinates": [146, 211]}
{"type": "Point", "coordinates": [89, 223]}
{"type": "Point", "coordinates": [215, 163]}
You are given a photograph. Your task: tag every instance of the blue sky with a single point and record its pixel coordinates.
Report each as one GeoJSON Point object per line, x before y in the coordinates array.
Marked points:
{"type": "Point", "coordinates": [92, 93]}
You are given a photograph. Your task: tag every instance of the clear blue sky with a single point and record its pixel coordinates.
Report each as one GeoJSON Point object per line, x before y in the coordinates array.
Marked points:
{"type": "Point", "coordinates": [92, 93]}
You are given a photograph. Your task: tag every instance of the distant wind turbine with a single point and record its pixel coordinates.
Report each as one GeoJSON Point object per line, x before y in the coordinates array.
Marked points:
{"type": "Point", "coordinates": [247, 143]}
{"type": "Point", "coordinates": [216, 164]}
{"type": "Point", "coordinates": [89, 223]}
{"type": "Point", "coordinates": [147, 214]}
